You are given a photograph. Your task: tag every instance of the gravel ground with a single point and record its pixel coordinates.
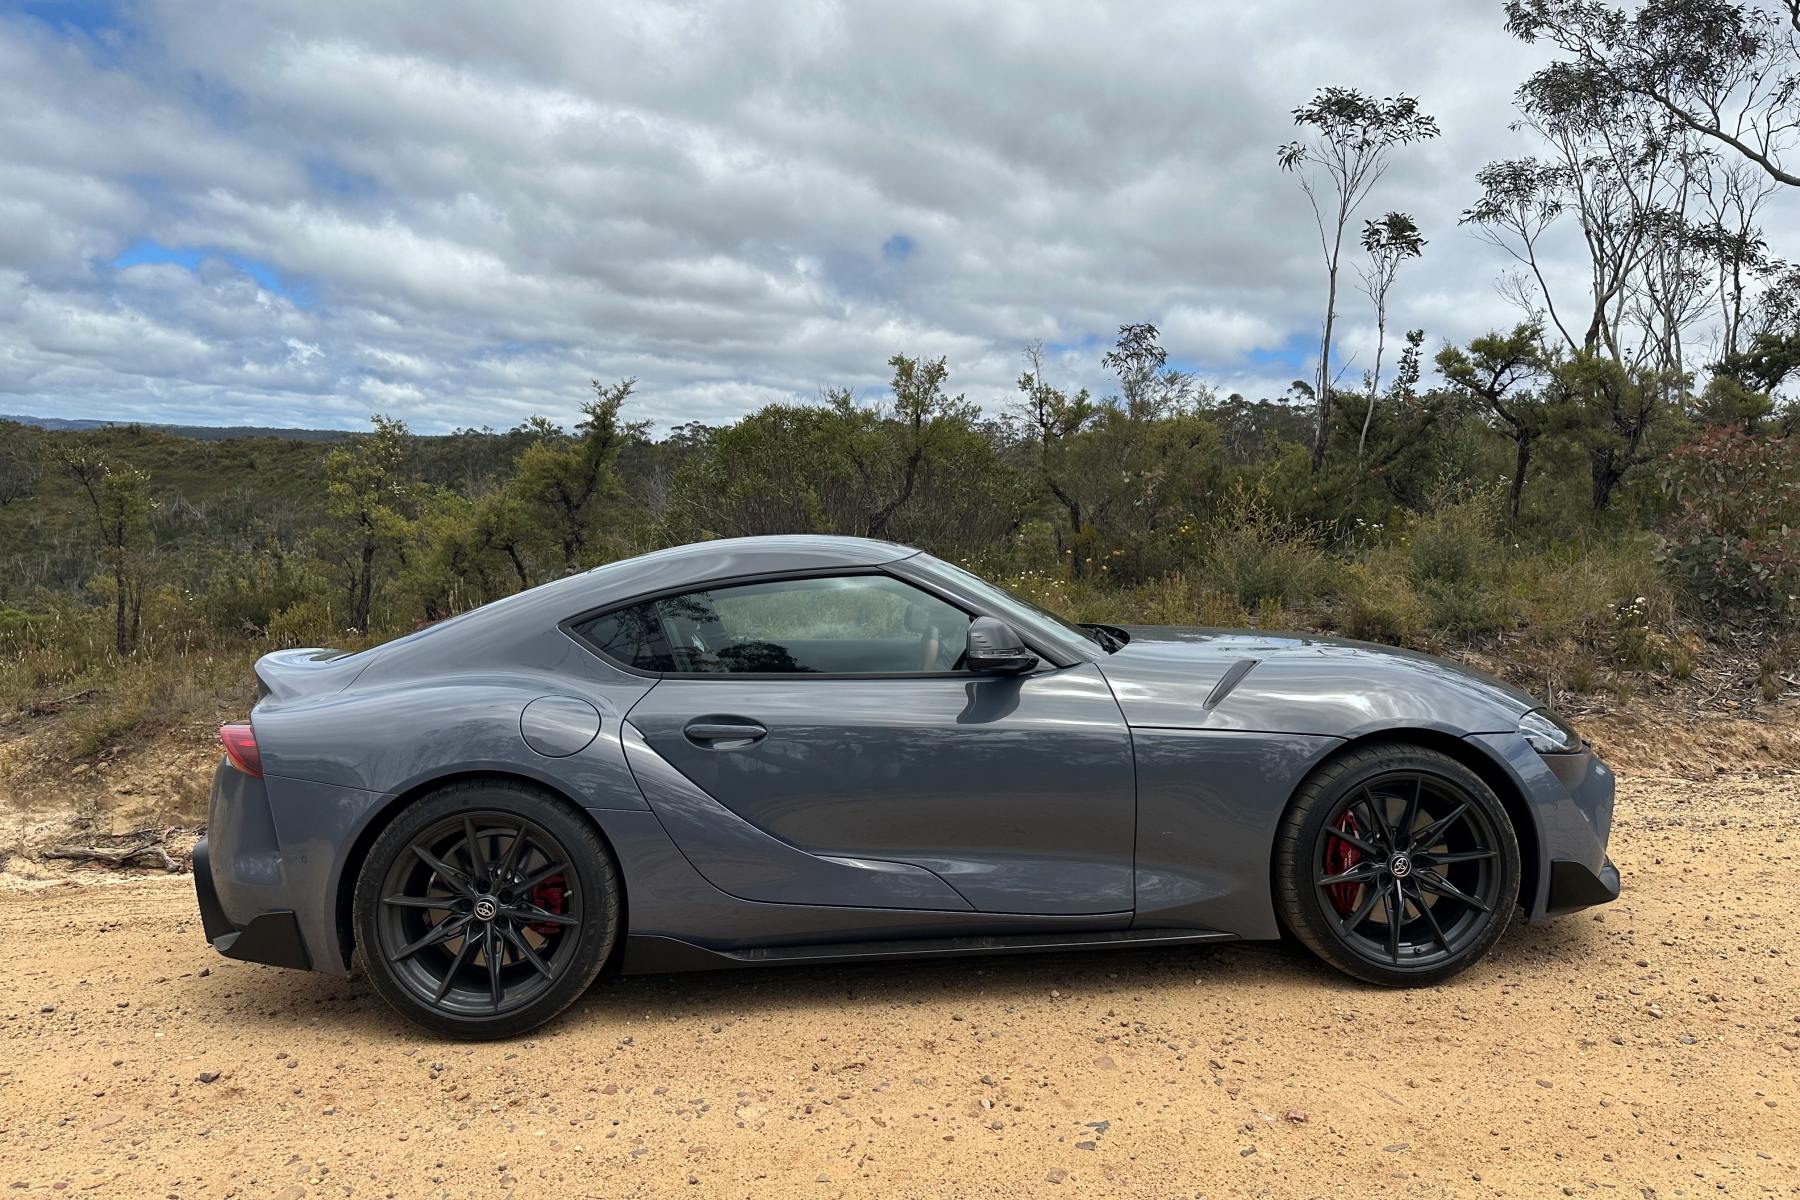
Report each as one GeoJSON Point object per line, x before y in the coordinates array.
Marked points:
{"type": "Point", "coordinates": [1650, 1049]}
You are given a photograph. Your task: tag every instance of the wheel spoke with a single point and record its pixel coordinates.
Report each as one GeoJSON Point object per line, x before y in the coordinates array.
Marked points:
{"type": "Point", "coordinates": [1360, 873]}
{"type": "Point", "coordinates": [1429, 835]}
{"type": "Point", "coordinates": [491, 951]}
{"type": "Point", "coordinates": [1378, 819]}
{"type": "Point", "coordinates": [1361, 914]}
{"type": "Point", "coordinates": [456, 964]}
{"type": "Point", "coordinates": [421, 901]}
{"type": "Point", "coordinates": [472, 848]}
{"type": "Point", "coordinates": [1394, 913]}
{"type": "Point", "coordinates": [1365, 847]}
{"type": "Point", "coordinates": [1409, 814]}
{"type": "Point", "coordinates": [1432, 881]}
{"type": "Point", "coordinates": [512, 855]}
{"type": "Point", "coordinates": [1458, 856]}
{"type": "Point", "coordinates": [453, 878]}
{"type": "Point", "coordinates": [1437, 931]}
{"type": "Point", "coordinates": [531, 914]}
{"type": "Point", "coordinates": [443, 931]}
{"type": "Point", "coordinates": [525, 951]}
{"type": "Point", "coordinates": [540, 875]}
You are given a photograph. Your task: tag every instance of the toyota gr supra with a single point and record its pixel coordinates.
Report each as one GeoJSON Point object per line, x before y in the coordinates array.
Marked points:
{"type": "Point", "coordinates": [806, 749]}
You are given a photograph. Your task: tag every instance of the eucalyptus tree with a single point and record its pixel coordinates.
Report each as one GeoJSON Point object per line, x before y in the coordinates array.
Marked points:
{"type": "Point", "coordinates": [117, 506]}
{"type": "Point", "coordinates": [1344, 153]}
{"type": "Point", "coordinates": [372, 502]}
{"type": "Point", "coordinates": [1728, 72]}
{"type": "Point", "coordinates": [565, 482]}
{"type": "Point", "coordinates": [1389, 242]}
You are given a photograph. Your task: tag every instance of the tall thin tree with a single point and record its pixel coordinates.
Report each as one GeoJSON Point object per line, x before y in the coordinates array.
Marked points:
{"type": "Point", "coordinates": [1344, 154]}
{"type": "Point", "coordinates": [1389, 242]}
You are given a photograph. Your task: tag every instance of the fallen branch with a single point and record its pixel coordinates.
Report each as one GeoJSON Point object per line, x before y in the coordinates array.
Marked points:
{"type": "Point", "coordinates": [49, 708]}
{"type": "Point", "coordinates": [114, 858]}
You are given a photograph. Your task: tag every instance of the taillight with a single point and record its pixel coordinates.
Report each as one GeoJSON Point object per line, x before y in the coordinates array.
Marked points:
{"type": "Point", "coordinates": [240, 747]}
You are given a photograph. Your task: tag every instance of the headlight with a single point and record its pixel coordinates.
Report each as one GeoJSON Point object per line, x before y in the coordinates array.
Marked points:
{"type": "Point", "coordinates": [1549, 733]}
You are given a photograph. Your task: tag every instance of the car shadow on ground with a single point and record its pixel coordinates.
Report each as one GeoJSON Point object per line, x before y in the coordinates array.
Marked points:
{"type": "Point", "coordinates": [284, 1000]}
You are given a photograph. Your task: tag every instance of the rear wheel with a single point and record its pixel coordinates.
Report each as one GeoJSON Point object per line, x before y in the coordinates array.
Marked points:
{"type": "Point", "coordinates": [1397, 864]}
{"type": "Point", "coordinates": [485, 909]}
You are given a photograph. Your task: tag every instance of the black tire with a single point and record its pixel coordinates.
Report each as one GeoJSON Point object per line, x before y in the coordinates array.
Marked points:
{"type": "Point", "coordinates": [538, 895]}
{"type": "Point", "coordinates": [1451, 871]}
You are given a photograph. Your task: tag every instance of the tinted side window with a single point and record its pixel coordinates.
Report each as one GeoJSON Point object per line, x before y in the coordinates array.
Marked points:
{"type": "Point", "coordinates": [850, 625]}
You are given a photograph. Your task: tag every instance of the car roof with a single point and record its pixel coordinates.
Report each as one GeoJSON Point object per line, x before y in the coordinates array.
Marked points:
{"type": "Point", "coordinates": [488, 632]}
{"type": "Point", "coordinates": [770, 552]}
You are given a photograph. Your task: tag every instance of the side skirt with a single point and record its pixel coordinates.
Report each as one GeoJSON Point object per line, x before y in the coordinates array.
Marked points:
{"type": "Point", "coordinates": [647, 954]}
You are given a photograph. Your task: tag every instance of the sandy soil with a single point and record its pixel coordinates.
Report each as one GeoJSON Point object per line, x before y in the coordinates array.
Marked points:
{"type": "Point", "coordinates": [1651, 1049]}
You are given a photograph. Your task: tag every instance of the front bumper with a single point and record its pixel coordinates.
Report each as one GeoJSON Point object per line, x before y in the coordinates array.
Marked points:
{"type": "Point", "coordinates": [1570, 797]}
{"type": "Point", "coordinates": [270, 937]}
{"type": "Point", "coordinates": [1574, 887]}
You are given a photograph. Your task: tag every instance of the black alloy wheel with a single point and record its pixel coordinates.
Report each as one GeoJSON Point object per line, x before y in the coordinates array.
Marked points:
{"type": "Point", "coordinates": [1397, 864]}
{"type": "Point", "coordinates": [486, 908]}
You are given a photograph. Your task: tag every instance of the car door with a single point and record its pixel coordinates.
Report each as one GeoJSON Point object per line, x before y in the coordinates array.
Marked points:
{"type": "Point", "coordinates": [848, 758]}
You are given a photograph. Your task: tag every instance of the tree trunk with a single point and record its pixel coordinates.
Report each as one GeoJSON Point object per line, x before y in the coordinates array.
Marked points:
{"type": "Point", "coordinates": [1374, 380]}
{"type": "Point", "coordinates": [1607, 470]}
{"type": "Point", "coordinates": [121, 630]}
{"type": "Point", "coordinates": [1521, 463]}
{"type": "Point", "coordinates": [1322, 434]}
{"type": "Point", "coordinates": [363, 590]}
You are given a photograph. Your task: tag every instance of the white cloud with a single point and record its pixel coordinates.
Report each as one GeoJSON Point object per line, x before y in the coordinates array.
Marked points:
{"type": "Point", "coordinates": [459, 213]}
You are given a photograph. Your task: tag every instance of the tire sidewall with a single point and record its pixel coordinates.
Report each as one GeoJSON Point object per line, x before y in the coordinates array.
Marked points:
{"type": "Point", "coordinates": [598, 891]}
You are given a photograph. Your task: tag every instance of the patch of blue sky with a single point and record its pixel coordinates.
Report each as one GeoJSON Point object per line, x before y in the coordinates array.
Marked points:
{"type": "Point", "coordinates": [147, 250]}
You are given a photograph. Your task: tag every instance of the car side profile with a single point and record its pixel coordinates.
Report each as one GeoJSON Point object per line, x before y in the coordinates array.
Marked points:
{"type": "Point", "coordinates": [776, 750]}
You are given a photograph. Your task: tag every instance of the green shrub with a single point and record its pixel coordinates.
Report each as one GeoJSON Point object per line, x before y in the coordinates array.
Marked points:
{"type": "Point", "coordinates": [1734, 534]}
{"type": "Point", "coordinates": [1258, 557]}
{"type": "Point", "coordinates": [1457, 561]}
{"type": "Point", "coordinates": [1381, 604]}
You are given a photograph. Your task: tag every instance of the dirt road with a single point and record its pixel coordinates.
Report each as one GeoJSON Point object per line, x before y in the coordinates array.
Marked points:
{"type": "Point", "coordinates": [1652, 1049]}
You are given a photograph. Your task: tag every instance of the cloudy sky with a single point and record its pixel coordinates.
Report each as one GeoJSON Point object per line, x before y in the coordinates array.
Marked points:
{"type": "Point", "coordinates": [457, 213]}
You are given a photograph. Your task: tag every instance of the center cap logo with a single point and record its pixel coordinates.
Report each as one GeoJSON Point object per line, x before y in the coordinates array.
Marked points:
{"type": "Point", "coordinates": [1401, 867]}
{"type": "Point", "coordinates": [485, 908]}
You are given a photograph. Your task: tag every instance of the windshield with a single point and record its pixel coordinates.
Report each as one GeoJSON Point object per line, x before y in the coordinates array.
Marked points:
{"type": "Point", "coordinates": [1036, 619]}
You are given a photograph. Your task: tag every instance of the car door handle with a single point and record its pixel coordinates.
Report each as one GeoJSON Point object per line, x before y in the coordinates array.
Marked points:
{"type": "Point", "coordinates": [709, 732]}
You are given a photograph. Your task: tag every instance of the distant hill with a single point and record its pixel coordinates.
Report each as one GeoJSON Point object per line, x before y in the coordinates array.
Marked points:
{"type": "Point", "coordinates": [201, 433]}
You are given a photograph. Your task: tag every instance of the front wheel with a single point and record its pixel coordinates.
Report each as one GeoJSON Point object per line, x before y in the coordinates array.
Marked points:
{"type": "Point", "coordinates": [485, 909]}
{"type": "Point", "coordinates": [1396, 864]}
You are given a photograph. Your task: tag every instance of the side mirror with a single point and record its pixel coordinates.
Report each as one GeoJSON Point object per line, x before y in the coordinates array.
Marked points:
{"type": "Point", "coordinates": [995, 648]}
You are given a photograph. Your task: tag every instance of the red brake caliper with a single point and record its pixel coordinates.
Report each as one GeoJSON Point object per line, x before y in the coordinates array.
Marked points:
{"type": "Point", "coordinates": [1340, 856]}
{"type": "Point", "coordinates": [548, 896]}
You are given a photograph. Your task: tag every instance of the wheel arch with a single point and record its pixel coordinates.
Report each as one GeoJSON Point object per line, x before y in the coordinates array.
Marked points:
{"type": "Point", "coordinates": [1476, 758]}
{"type": "Point", "coordinates": [344, 898]}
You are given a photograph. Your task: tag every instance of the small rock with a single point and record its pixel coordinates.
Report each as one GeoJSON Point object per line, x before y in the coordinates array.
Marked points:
{"type": "Point", "coordinates": [822, 1178]}
{"type": "Point", "coordinates": [1397, 1147]}
{"type": "Point", "coordinates": [207, 1076]}
{"type": "Point", "coordinates": [1247, 1151]}
{"type": "Point", "coordinates": [1544, 1083]}
{"type": "Point", "coordinates": [1087, 1145]}
{"type": "Point", "coordinates": [1296, 1116]}
{"type": "Point", "coordinates": [1055, 1175]}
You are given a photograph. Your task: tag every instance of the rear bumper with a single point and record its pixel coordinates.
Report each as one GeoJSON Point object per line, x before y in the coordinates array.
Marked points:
{"type": "Point", "coordinates": [270, 937]}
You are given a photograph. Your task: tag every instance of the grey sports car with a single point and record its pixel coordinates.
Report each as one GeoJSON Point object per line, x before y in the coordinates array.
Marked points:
{"type": "Point", "coordinates": [803, 749]}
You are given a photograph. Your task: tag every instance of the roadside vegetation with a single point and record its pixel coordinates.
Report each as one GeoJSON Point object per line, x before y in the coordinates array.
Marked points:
{"type": "Point", "coordinates": [1601, 498]}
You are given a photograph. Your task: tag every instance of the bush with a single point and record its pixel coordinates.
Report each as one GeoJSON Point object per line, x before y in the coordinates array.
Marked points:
{"type": "Point", "coordinates": [1733, 539]}
{"type": "Point", "coordinates": [1381, 604]}
{"type": "Point", "coordinates": [1457, 561]}
{"type": "Point", "coordinates": [1258, 557]}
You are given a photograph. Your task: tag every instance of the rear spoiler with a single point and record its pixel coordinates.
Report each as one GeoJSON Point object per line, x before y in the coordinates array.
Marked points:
{"type": "Point", "coordinates": [290, 674]}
